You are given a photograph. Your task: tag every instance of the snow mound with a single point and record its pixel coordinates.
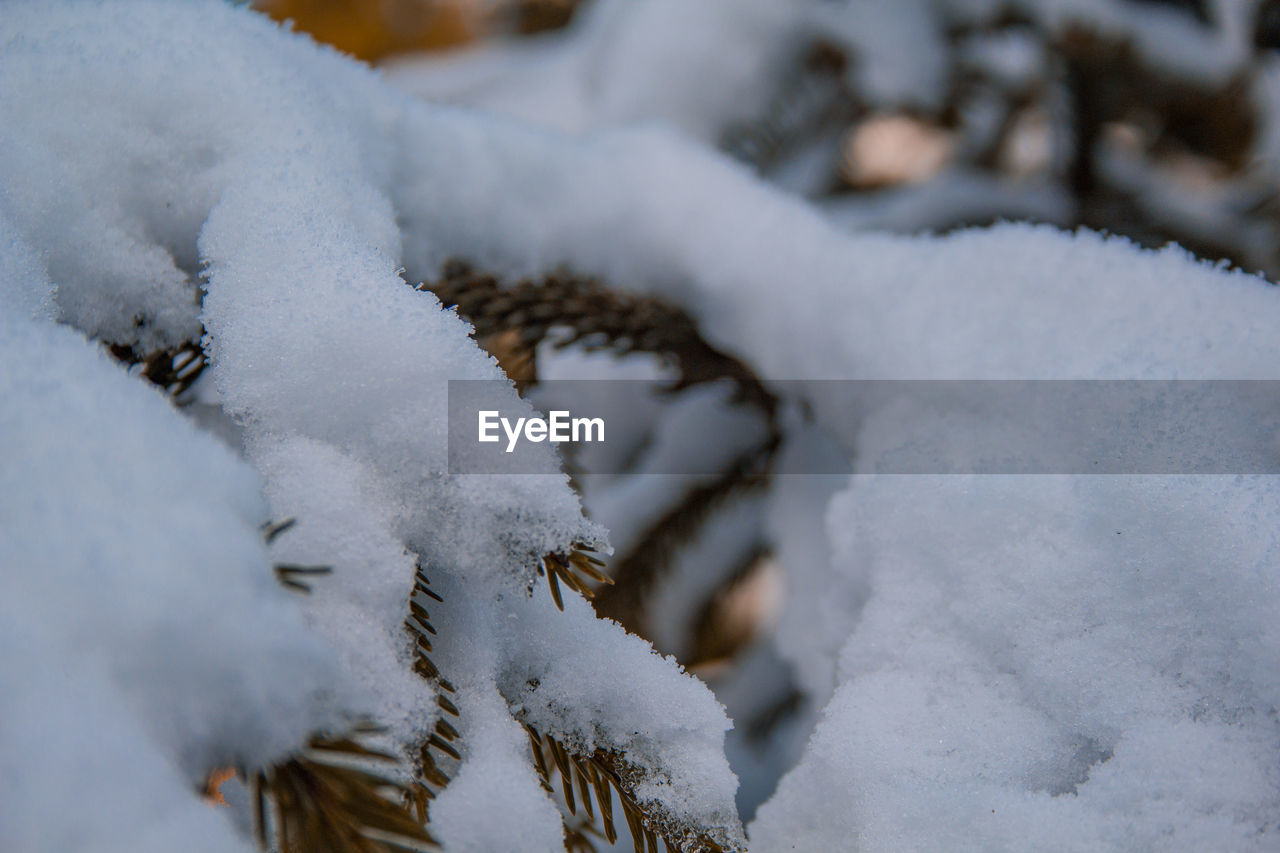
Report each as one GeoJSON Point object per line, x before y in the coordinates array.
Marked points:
{"type": "Point", "coordinates": [146, 641]}
{"type": "Point", "coordinates": [1072, 663]}
{"type": "Point", "coordinates": [243, 188]}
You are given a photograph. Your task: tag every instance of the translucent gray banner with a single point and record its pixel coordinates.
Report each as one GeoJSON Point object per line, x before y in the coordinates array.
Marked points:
{"type": "Point", "coordinates": [887, 426]}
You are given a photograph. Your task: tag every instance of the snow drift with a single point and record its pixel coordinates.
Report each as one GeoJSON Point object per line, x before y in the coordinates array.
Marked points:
{"type": "Point", "coordinates": [1016, 663]}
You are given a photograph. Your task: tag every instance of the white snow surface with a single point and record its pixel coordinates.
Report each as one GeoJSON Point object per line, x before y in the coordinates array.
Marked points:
{"type": "Point", "coordinates": [153, 152]}
{"type": "Point", "coordinates": [773, 282]}
{"type": "Point", "coordinates": [696, 67]}
{"type": "Point", "coordinates": [1048, 663]}
{"type": "Point", "coordinates": [146, 641]}
{"type": "Point", "coordinates": [1025, 663]}
{"type": "Point", "coordinates": [495, 801]}
{"type": "Point", "coordinates": [360, 608]}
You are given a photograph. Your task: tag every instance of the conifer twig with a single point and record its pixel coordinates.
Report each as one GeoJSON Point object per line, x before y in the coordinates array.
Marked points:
{"type": "Point", "coordinates": [175, 369]}
{"type": "Point", "coordinates": [598, 776]}
{"type": "Point", "coordinates": [335, 795]}
{"type": "Point", "coordinates": [568, 310]}
{"type": "Point", "coordinates": [647, 562]}
{"type": "Point", "coordinates": [575, 570]}
{"type": "Point", "coordinates": [437, 747]}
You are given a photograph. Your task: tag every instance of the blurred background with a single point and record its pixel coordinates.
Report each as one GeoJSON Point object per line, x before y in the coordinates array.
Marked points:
{"type": "Point", "coordinates": [1158, 120]}
{"type": "Point", "coordinates": [1155, 119]}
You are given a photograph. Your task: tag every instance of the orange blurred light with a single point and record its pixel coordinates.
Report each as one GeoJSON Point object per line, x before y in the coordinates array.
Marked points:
{"type": "Point", "coordinates": [374, 29]}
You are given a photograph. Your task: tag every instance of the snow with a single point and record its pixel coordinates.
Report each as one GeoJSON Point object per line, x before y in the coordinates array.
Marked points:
{"type": "Point", "coordinates": [360, 607]}
{"type": "Point", "coordinates": [1048, 664]}
{"type": "Point", "coordinates": [724, 546]}
{"type": "Point", "coordinates": [950, 199]}
{"type": "Point", "coordinates": [700, 68]}
{"type": "Point", "coordinates": [897, 59]}
{"type": "Point", "coordinates": [1005, 662]}
{"type": "Point", "coordinates": [593, 686]}
{"type": "Point", "coordinates": [663, 215]}
{"type": "Point", "coordinates": [146, 639]}
{"type": "Point", "coordinates": [239, 186]}
{"type": "Point", "coordinates": [1012, 58]}
{"type": "Point", "coordinates": [89, 740]}
{"type": "Point", "coordinates": [622, 62]}
{"type": "Point", "coordinates": [768, 276]}
{"type": "Point", "coordinates": [821, 605]}
{"type": "Point", "coordinates": [495, 801]}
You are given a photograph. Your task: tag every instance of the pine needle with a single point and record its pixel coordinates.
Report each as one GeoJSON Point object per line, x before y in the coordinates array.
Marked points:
{"type": "Point", "coordinates": [175, 369]}
{"type": "Point", "coordinates": [439, 745]}
{"type": "Point", "coordinates": [515, 318]}
{"type": "Point", "coordinates": [289, 574]}
{"type": "Point", "coordinates": [577, 570]}
{"type": "Point", "coordinates": [564, 310]}
{"type": "Point", "coordinates": [272, 529]}
{"type": "Point", "coordinates": [601, 774]}
{"type": "Point", "coordinates": [336, 795]}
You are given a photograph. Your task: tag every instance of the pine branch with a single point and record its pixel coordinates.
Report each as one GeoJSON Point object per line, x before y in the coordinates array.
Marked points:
{"type": "Point", "coordinates": [595, 778]}
{"type": "Point", "coordinates": [640, 570]}
{"type": "Point", "coordinates": [576, 570]}
{"type": "Point", "coordinates": [438, 747]}
{"type": "Point", "coordinates": [175, 369]}
{"type": "Point", "coordinates": [290, 574]}
{"type": "Point", "coordinates": [567, 310]}
{"type": "Point", "coordinates": [580, 837]}
{"type": "Point", "coordinates": [540, 16]}
{"type": "Point", "coordinates": [511, 321]}
{"type": "Point", "coordinates": [288, 785]}
{"type": "Point", "coordinates": [717, 635]}
{"type": "Point", "coordinates": [335, 796]}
